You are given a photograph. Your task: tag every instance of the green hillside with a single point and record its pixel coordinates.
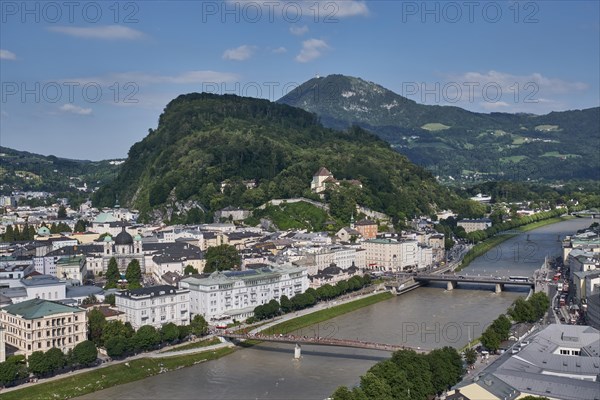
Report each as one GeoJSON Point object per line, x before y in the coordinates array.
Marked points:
{"type": "Point", "coordinates": [24, 171]}
{"type": "Point", "coordinates": [452, 142]}
{"type": "Point", "coordinates": [204, 139]}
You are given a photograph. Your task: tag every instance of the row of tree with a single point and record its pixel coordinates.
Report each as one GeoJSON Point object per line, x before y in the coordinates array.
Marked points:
{"type": "Point", "coordinates": [497, 332]}
{"type": "Point", "coordinates": [407, 376]}
{"type": "Point", "coordinates": [309, 298]}
{"type": "Point", "coordinates": [521, 310]}
{"type": "Point", "coordinates": [120, 339]}
{"type": "Point", "coordinates": [43, 364]}
{"type": "Point", "coordinates": [530, 310]}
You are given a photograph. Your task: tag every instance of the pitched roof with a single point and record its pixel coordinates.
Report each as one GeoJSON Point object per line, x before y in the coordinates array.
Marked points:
{"type": "Point", "coordinates": [322, 172]}
{"type": "Point", "coordinates": [39, 308]}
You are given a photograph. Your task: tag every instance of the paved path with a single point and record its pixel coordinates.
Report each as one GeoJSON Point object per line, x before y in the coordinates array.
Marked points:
{"type": "Point", "coordinates": [152, 354]}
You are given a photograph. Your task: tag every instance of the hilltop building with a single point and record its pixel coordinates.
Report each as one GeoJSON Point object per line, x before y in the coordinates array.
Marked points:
{"type": "Point", "coordinates": [323, 179]}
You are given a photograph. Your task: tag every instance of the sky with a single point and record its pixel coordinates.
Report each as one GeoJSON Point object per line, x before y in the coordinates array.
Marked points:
{"type": "Point", "coordinates": [88, 79]}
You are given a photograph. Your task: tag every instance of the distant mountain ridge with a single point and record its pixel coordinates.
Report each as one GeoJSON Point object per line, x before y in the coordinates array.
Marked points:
{"type": "Point", "coordinates": [22, 170]}
{"type": "Point", "coordinates": [451, 141]}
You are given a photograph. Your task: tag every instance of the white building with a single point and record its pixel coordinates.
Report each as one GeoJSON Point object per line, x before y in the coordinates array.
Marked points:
{"type": "Point", "coordinates": [393, 255]}
{"type": "Point", "coordinates": [237, 293]}
{"type": "Point", "coordinates": [472, 225]}
{"type": "Point", "coordinates": [72, 267]}
{"type": "Point", "coordinates": [155, 306]}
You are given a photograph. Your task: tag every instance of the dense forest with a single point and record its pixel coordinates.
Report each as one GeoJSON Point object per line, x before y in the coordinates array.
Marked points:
{"type": "Point", "coordinates": [204, 140]}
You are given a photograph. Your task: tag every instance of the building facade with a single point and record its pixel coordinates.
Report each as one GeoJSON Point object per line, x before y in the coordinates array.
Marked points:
{"type": "Point", "coordinates": [155, 306]}
{"type": "Point", "coordinates": [236, 293]}
{"type": "Point", "coordinates": [39, 325]}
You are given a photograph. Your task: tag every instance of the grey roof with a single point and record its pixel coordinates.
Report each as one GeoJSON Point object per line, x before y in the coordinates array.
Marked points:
{"type": "Point", "coordinates": [538, 370]}
{"type": "Point", "coordinates": [39, 308]}
{"type": "Point", "coordinates": [41, 280]}
{"type": "Point", "coordinates": [159, 290]}
{"type": "Point", "coordinates": [82, 291]}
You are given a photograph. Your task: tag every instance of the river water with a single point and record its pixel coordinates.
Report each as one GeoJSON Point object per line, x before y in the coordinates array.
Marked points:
{"type": "Point", "coordinates": [427, 317]}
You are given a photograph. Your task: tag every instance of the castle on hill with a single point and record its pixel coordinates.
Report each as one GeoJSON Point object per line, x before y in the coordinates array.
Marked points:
{"type": "Point", "coordinates": [323, 179]}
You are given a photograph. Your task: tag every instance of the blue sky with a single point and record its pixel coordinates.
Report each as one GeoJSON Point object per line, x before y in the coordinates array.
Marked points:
{"type": "Point", "coordinates": [88, 80]}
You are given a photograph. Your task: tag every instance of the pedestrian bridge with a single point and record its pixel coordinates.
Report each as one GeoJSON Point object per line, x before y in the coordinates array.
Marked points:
{"type": "Point", "coordinates": [454, 280]}
{"type": "Point", "coordinates": [319, 341]}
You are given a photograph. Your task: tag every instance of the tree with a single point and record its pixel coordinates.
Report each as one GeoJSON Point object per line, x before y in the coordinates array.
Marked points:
{"type": "Point", "coordinates": [146, 338]}
{"type": "Point", "coordinates": [198, 326]}
{"type": "Point", "coordinates": [133, 274]}
{"type": "Point", "coordinates": [56, 358]}
{"type": "Point", "coordinates": [342, 393]}
{"type": "Point", "coordinates": [286, 304]}
{"type": "Point", "coordinates": [117, 329]}
{"type": "Point", "coordinates": [39, 364]}
{"type": "Point", "coordinates": [470, 356]}
{"type": "Point", "coordinates": [91, 299]}
{"type": "Point", "coordinates": [221, 258]}
{"type": "Point", "coordinates": [490, 340]}
{"type": "Point", "coordinates": [112, 273]}
{"type": "Point", "coordinates": [85, 353]}
{"type": "Point", "coordinates": [13, 369]}
{"type": "Point", "coordinates": [110, 299]}
{"type": "Point", "coordinates": [169, 332]}
{"type": "Point", "coordinates": [62, 212]}
{"type": "Point", "coordinates": [80, 226]}
{"type": "Point", "coordinates": [117, 346]}
{"type": "Point", "coordinates": [96, 325]}
{"type": "Point", "coordinates": [375, 388]}
{"type": "Point", "coordinates": [190, 270]}
{"type": "Point", "coordinates": [9, 235]}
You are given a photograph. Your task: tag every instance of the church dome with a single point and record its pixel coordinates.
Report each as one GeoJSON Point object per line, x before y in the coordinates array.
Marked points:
{"type": "Point", "coordinates": [107, 238]}
{"type": "Point", "coordinates": [123, 238]}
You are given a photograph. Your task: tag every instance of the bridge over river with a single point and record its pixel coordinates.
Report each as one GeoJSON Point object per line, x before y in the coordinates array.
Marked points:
{"type": "Point", "coordinates": [320, 341]}
{"type": "Point", "coordinates": [453, 280]}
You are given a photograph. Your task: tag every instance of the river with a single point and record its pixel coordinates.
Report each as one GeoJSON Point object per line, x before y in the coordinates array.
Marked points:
{"type": "Point", "coordinates": [427, 317]}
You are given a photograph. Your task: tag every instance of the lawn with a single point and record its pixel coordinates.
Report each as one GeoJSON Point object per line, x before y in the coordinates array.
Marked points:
{"type": "Point", "coordinates": [102, 378]}
{"type": "Point", "coordinates": [326, 314]}
{"type": "Point", "coordinates": [195, 345]}
{"type": "Point", "coordinates": [434, 127]}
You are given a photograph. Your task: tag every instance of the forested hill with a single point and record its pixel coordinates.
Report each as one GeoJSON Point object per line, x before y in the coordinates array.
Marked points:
{"type": "Point", "coordinates": [453, 142]}
{"type": "Point", "coordinates": [203, 140]}
{"type": "Point", "coordinates": [25, 171]}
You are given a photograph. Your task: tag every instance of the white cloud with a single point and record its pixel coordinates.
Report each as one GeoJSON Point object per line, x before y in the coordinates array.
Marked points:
{"type": "Point", "coordinates": [109, 32]}
{"type": "Point", "coordinates": [73, 109]}
{"type": "Point", "coordinates": [241, 53]}
{"type": "Point", "coordinates": [349, 8]}
{"type": "Point", "coordinates": [292, 10]}
{"type": "Point", "coordinates": [144, 78]}
{"type": "Point", "coordinates": [298, 30]}
{"type": "Point", "coordinates": [311, 50]}
{"type": "Point", "coordinates": [7, 55]}
{"type": "Point", "coordinates": [510, 82]}
{"type": "Point", "coordinates": [279, 50]}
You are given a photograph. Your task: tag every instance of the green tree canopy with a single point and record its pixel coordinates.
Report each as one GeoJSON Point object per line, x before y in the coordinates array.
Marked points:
{"type": "Point", "coordinates": [220, 258]}
{"type": "Point", "coordinates": [198, 325]}
{"type": "Point", "coordinates": [189, 270]}
{"type": "Point", "coordinates": [146, 338]}
{"type": "Point", "coordinates": [112, 273]}
{"type": "Point", "coordinates": [133, 274]}
{"type": "Point", "coordinates": [85, 353]}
